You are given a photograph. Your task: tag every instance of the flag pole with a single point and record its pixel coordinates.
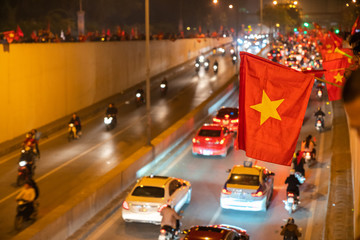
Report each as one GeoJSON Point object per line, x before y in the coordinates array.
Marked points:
{"type": "Point", "coordinates": [323, 80]}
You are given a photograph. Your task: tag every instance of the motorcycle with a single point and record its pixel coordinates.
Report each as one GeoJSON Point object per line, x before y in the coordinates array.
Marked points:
{"type": "Point", "coordinates": [23, 213]}
{"type": "Point", "coordinates": [215, 68]}
{"type": "Point", "coordinates": [163, 88]}
{"type": "Point", "coordinates": [110, 122]}
{"type": "Point", "coordinates": [291, 202]}
{"type": "Point", "coordinates": [167, 233]}
{"type": "Point", "coordinates": [319, 93]}
{"type": "Point", "coordinates": [234, 59]}
{"type": "Point", "coordinates": [207, 65]}
{"type": "Point", "coordinates": [25, 172]}
{"type": "Point", "coordinates": [72, 132]}
{"type": "Point", "coordinates": [319, 124]}
{"type": "Point", "coordinates": [197, 67]}
{"type": "Point", "coordinates": [139, 97]}
{"type": "Point", "coordinates": [309, 158]}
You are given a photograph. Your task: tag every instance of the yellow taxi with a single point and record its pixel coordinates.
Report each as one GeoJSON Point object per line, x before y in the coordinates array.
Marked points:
{"type": "Point", "coordinates": [247, 188]}
{"type": "Point", "coordinates": [151, 194]}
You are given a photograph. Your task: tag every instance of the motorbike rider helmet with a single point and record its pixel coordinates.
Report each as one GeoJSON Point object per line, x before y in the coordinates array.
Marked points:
{"type": "Point", "coordinates": [291, 220]}
{"type": "Point", "coordinates": [292, 171]}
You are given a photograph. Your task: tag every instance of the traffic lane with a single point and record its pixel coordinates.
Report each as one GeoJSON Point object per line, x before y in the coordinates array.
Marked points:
{"type": "Point", "coordinates": [58, 149]}
{"type": "Point", "coordinates": [77, 164]}
{"type": "Point", "coordinates": [208, 174]}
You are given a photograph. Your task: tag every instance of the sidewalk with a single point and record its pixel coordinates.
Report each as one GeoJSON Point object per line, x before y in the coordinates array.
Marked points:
{"type": "Point", "coordinates": [339, 219]}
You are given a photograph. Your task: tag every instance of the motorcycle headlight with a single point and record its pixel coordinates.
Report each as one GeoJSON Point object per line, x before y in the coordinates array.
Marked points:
{"type": "Point", "coordinates": [22, 163]}
{"type": "Point", "coordinates": [71, 125]}
{"type": "Point", "coordinates": [107, 120]}
{"type": "Point", "coordinates": [138, 95]}
{"type": "Point", "coordinates": [162, 85]}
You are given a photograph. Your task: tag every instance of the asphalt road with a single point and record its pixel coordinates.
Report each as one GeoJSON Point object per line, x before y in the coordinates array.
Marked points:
{"type": "Point", "coordinates": [208, 174]}
{"type": "Point", "coordinates": [66, 168]}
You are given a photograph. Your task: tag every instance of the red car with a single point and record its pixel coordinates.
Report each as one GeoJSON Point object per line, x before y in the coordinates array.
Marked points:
{"type": "Point", "coordinates": [212, 139]}
{"type": "Point", "coordinates": [228, 117]}
{"type": "Point", "coordinates": [216, 232]}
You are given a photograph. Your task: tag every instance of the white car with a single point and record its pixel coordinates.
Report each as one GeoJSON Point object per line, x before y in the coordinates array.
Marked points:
{"type": "Point", "coordinates": [151, 194]}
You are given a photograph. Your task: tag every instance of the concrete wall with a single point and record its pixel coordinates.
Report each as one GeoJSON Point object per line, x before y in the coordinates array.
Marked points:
{"type": "Point", "coordinates": [62, 222]}
{"type": "Point", "coordinates": [40, 83]}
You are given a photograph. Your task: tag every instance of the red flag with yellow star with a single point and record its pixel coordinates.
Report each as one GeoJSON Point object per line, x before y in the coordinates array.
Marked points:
{"type": "Point", "coordinates": [335, 70]}
{"type": "Point", "coordinates": [272, 104]}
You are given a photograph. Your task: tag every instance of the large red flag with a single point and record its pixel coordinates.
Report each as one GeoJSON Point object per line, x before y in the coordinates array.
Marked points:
{"type": "Point", "coordinates": [272, 104]}
{"type": "Point", "coordinates": [9, 35]}
{"type": "Point", "coordinates": [355, 26]}
{"type": "Point", "coordinates": [335, 70]}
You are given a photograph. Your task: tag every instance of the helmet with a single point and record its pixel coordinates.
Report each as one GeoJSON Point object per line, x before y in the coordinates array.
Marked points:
{"type": "Point", "coordinates": [292, 171]}
{"type": "Point", "coordinates": [290, 220]}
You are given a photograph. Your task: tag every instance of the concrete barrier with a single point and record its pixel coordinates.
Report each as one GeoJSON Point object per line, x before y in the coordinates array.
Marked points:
{"type": "Point", "coordinates": [63, 221]}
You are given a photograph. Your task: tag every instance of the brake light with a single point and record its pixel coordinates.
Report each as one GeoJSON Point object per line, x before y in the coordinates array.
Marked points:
{"type": "Point", "coordinates": [234, 121]}
{"type": "Point", "coordinates": [125, 205]}
{"type": "Point", "coordinates": [227, 116]}
{"type": "Point", "coordinates": [290, 194]}
{"type": "Point", "coordinates": [216, 120]}
{"type": "Point", "coordinates": [162, 231]}
{"type": "Point", "coordinates": [257, 194]}
{"type": "Point", "coordinates": [162, 207]}
{"type": "Point", "coordinates": [225, 191]}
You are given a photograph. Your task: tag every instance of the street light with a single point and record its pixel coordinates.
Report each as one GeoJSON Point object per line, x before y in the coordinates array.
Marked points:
{"type": "Point", "coordinates": [275, 2]}
{"type": "Point", "coordinates": [231, 6]}
{"type": "Point", "coordinates": [215, 1]}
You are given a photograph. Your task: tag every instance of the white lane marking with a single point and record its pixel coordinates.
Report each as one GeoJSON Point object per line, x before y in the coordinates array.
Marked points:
{"type": "Point", "coordinates": [71, 160]}
{"type": "Point", "coordinates": [216, 215]}
{"type": "Point", "coordinates": [309, 225]}
{"type": "Point", "coordinates": [105, 226]}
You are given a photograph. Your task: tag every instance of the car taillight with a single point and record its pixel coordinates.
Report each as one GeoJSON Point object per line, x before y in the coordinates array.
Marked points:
{"type": "Point", "coordinates": [162, 207]}
{"type": "Point", "coordinates": [225, 191]}
{"type": "Point", "coordinates": [125, 205]}
{"type": "Point", "coordinates": [257, 194]}
{"type": "Point", "coordinates": [227, 116]}
{"type": "Point", "coordinates": [216, 120]}
{"type": "Point", "coordinates": [234, 121]}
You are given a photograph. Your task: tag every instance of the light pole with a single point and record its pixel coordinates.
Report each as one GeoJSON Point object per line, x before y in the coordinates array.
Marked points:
{"type": "Point", "coordinates": [147, 56]}
{"type": "Point", "coordinates": [261, 15]}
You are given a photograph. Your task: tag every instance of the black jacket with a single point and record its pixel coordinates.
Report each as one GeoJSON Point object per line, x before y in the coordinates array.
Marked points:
{"type": "Point", "coordinates": [293, 184]}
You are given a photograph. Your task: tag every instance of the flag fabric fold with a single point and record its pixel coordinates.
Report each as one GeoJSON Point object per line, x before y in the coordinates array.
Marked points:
{"type": "Point", "coordinates": [272, 104]}
{"type": "Point", "coordinates": [334, 73]}
{"type": "Point", "coordinates": [355, 26]}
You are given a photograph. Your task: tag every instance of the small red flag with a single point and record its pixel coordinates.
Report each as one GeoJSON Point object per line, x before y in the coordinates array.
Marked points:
{"type": "Point", "coordinates": [336, 39]}
{"type": "Point", "coordinates": [355, 26]}
{"type": "Point", "coordinates": [272, 104]}
{"type": "Point", "coordinates": [335, 70]}
{"type": "Point", "coordinates": [19, 32]}
{"type": "Point", "coordinates": [9, 35]}
{"type": "Point", "coordinates": [108, 33]}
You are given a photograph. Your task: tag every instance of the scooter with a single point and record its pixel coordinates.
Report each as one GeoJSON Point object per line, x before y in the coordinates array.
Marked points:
{"type": "Point", "coordinates": [215, 68]}
{"type": "Point", "coordinates": [23, 213]}
{"type": "Point", "coordinates": [24, 172]}
{"type": "Point", "coordinates": [110, 122]}
{"type": "Point", "coordinates": [72, 132]}
{"type": "Point", "coordinates": [319, 93]}
{"type": "Point", "coordinates": [291, 202]}
{"type": "Point", "coordinates": [139, 98]}
{"type": "Point", "coordinates": [167, 233]}
{"type": "Point", "coordinates": [319, 124]}
{"type": "Point", "coordinates": [309, 158]}
{"type": "Point", "coordinates": [163, 89]}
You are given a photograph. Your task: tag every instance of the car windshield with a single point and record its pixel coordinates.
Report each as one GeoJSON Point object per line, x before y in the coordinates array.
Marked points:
{"type": "Point", "coordinates": [209, 133]}
{"type": "Point", "coordinates": [244, 179]}
{"type": "Point", "coordinates": [232, 113]}
{"type": "Point", "coordinates": [147, 191]}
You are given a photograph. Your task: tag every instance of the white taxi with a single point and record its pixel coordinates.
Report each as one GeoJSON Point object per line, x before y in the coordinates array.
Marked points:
{"type": "Point", "coordinates": [151, 194]}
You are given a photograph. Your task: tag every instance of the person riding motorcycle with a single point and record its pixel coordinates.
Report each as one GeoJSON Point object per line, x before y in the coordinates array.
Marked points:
{"type": "Point", "coordinates": [170, 218]}
{"type": "Point", "coordinates": [299, 162]}
{"type": "Point", "coordinates": [164, 85]}
{"type": "Point", "coordinates": [320, 115]}
{"type": "Point", "coordinates": [77, 123]}
{"type": "Point", "coordinates": [308, 145]}
{"type": "Point", "coordinates": [293, 184]}
{"type": "Point", "coordinates": [290, 231]}
{"type": "Point", "coordinates": [112, 110]}
{"type": "Point", "coordinates": [36, 137]}
{"type": "Point", "coordinates": [142, 94]}
{"type": "Point", "coordinates": [29, 156]}
{"type": "Point", "coordinates": [26, 198]}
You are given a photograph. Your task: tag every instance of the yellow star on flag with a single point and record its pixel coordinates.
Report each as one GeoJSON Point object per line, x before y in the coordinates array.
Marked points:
{"type": "Point", "coordinates": [267, 108]}
{"type": "Point", "coordinates": [328, 46]}
{"type": "Point", "coordinates": [338, 78]}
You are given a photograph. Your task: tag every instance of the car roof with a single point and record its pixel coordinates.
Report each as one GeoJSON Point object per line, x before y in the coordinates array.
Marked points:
{"type": "Point", "coordinates": [208, 126]}
{"type": "Point", "coordinates": [241, 169]}
{"type": "Point", "coordinates": [156, 181]}
{"type": "Point", "coordinates": [212, 232]}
